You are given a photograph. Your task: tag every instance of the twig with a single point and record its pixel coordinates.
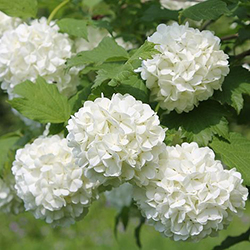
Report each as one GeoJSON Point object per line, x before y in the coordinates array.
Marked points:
{"type": "Point", "coordinates": [234, 36]}
{"type": "Point", "coordinates": [51, 16]}
{"type": "Point", "coordinates": [243, 54]}
{"type": "Point", "coordinates": [206, 24]}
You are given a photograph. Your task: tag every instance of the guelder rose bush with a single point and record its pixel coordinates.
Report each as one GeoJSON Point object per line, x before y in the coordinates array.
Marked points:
{"type": "Point", "coordinates": [49, 182]}
{"type": "Point", "coordinates": [192, 196]}
{"type": "Point", "coordinates": [188, 68]}
{"type": "Point", "coordinates": [38, 49]}
{"type": "Point", "coordinates": [116, 140]}
{"type": "Point", "coordinates": [124, 120]}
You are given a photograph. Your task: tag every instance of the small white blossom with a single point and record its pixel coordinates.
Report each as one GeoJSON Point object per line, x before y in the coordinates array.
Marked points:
{"type": "Point", "coordinates": [95, 36]}
{"type": "Point", "coordinates": [116, 140]}
{"type": "Point", "coordinates": [189, 67]}
{"type": "Point", "coordinates": [192, 196]}
{"type": "Point", "coordinates": [178, 4]}
{"type": "Point", "coordinates": [9, 201]}
{"type": "Point", "coordinates": [38, 49]}
{"type": "Point", "coordinates": [8, 23]}
{"type": "Point", "coordinates": [246, 66]}
{"type": "Point", "coordinates": [52, 187]}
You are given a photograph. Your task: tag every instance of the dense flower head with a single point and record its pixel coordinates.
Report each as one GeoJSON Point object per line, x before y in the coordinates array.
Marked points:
{"type": "Point", "coordinates": [8, 23]}
{"type": "Point", "coordinates": [9, 201]}
{"type": "Point", "coordinates": [38, 49]}
{"type": "Point", "coordinates": [192, 196]}
{"type": "Point", "coordinates": [95, 36]}
{"type": "Point", "coordinates": [188, 68]}
{"type": "Point", "coordinates": [116, 140]}
{"type": "Point", "coordinates": [178, 4]}
{"type": "Point", "coordinates": [49, 182]}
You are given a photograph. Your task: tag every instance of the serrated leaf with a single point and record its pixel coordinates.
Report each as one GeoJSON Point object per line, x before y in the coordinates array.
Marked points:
{"type": "Point", "coordinates": [107, 50]}
{"type": "Point", "coordinates": [74, 27]}
{"type": "Point", "coordinates": [146, 51]}
{"type": "Point", "coordinates": [110, 71]}
{"type": "Point", "coordinates": [41, 102]}
{"type": "Point", "coordinates": [200, 124]}
{"type": "Point", "coordinates": [235, 154]}
{"type": "Point", "coordinates": [235, 85]}
{"type": "Point", "coordinates": [6, 143]}
{"type": "Point", "coordinates": [208, 10]}
{"type": "Point", "coordinates": [17, 8]}
{"type": "Point", "coordinates": [135, 87]}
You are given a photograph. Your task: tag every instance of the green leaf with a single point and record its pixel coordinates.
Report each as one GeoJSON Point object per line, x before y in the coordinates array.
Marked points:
{"type": "Point", "coordinates": [235, 85]}
{"type": "Point", "coordinates": [235, 154]}
{"type": "Point", "coordinates": [41, 102]}
{"type": "Point", "coordinates": [73, 27]}
{"type": "Point", "coordinates": [208, 10]}
{"type": "Point", "coordinates": [157, 13]}
{"type": "Point", "coordinates": [6, 144]}
{"type": "Point", "coordinates": [201, 124]}
{"type": "Point", "coordinates": [107, 50]}
{"type": "Point", "coordinates": [17, 8]}
{"type": "Point", "coordinates": [122, 216]}
{"type": "Point", "coordinates": [146, 51]}
{"type": "Point", "coordinates": [80, 97]}
{"type": "Point", "coordinates": [135, 87]}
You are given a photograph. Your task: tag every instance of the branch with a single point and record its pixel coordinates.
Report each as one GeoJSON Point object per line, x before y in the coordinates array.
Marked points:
{"type": "Point", "coordinates": [230, 240]}
{"type": "Point", "coordinates": [206, 24]}
{"type": "Point", "coordinates": [243, 54]}
{"type": "Point", "coordinates": [234, 36]}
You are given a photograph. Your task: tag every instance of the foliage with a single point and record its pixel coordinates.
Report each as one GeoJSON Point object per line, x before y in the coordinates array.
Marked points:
{"type": "Point", "coordinates": [110, 68]}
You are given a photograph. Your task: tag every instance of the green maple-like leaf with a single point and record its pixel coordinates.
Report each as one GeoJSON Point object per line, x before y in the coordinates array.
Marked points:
{"type": "Point", "coordinates": [200, 124]}
{"type": "Point", "coordinates": [235, 153]}
{"type": "Point", "coordinates": [236, 84]}
{"type": "Point", "coordinates": [41, 102]}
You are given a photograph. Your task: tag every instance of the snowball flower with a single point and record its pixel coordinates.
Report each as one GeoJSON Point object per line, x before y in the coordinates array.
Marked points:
{"type": "Point", "coordinates": [9, 201]}
{"type": "Point", "coordinates": [192, 196]}
{"type": "Point", "coordinates": [36, 49]}
{"type": "Point", "coordinates": [95, 36]}
{"type": "Point", "coordinates": [8, 23]}
{"type": "Point", "coordinates": [116, 140]}
{"type": "Point", "coordinates": [178, 4]}
{"type": "Point", "coordinates": [188, 68]}
{"type": "Point", "coordinates": [50, 184]}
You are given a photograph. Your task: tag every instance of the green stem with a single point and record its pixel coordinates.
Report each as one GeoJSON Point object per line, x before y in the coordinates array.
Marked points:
{"type": "Point", "coordinates": [157, 107]}
{"type": "Point", "coordinates": [51, 16]}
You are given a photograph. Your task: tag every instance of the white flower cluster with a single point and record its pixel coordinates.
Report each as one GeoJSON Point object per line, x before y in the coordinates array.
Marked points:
{"type": "Point", "coordinates": [95, 36]}
{"type": "Point", "coordinates": [192, 196]}
{"type": "Point", "coordinates": [52, 187]}
{"type": "Point", "coordinates": [9, 201]}
{"type": "Point", "coordinates": [189, 67]}
{"type": "Point", "coordinates": [116, 140]}
{"type": "Point", "coordinates": [38, 49]}
{"type": "Point", "coordinates": [178, 4]}
{"type": "Point", "coordinates": [7, 23]}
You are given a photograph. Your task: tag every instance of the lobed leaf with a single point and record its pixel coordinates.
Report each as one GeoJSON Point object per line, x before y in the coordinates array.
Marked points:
{"type": "Point", "coordinates": [41, 102]}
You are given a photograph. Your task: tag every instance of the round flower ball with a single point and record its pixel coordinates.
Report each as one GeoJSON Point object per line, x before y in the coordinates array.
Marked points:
{"type": "Point", "coordinates": [9, 201]}
{"type": "Point", "coordinates": [192, 196]}
{"type": "Point", "coordinates": [116, 140]}
{"type": "Point", "coordinates": [7, 23]}
{"type": "Point", "coordinates": [187, 69]}
{"type": "Point", "coordinates": [38, 49]}
{"type": "Point", "coordinates": [178, 4]}
{"type": "Point", "coordinates": [49, 182]}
